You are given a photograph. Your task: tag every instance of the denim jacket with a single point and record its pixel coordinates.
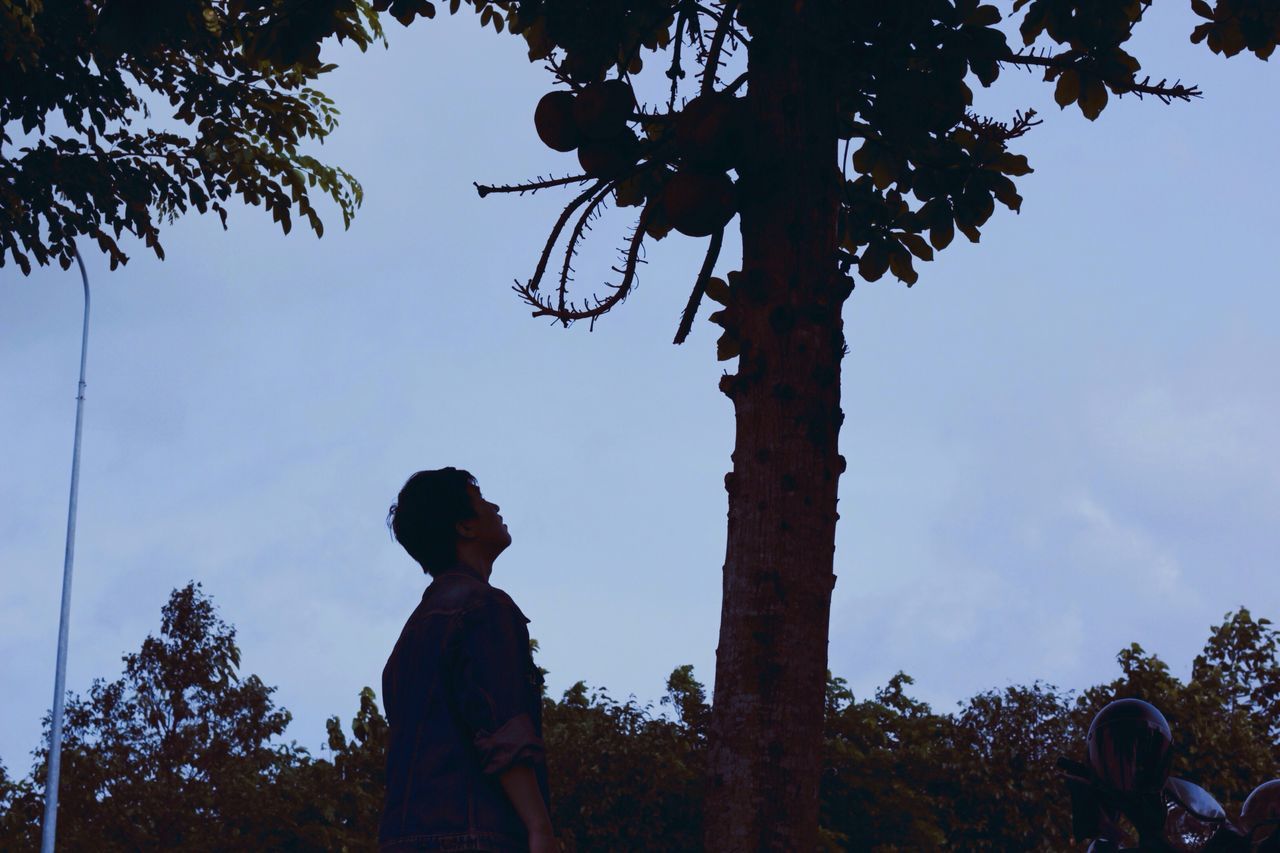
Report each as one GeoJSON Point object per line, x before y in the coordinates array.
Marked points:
{"type": "Point", "coordinates": [464, 703]}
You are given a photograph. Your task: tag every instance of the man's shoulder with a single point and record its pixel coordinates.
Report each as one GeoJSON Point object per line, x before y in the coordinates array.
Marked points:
{"type": "Point", "coordinates": [458, 593]}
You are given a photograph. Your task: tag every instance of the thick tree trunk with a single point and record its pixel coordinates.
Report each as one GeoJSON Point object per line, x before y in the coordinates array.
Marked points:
{"type": "Point", "coordinates": [771, 663]}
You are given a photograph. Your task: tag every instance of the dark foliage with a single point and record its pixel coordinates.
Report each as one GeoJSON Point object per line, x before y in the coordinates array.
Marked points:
{"type": "Point", "coordinates": [182, 753]}
{"type": "Point", "coordinates": [118, 115]}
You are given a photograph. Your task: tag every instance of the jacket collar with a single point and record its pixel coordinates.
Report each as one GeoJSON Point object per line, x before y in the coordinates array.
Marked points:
{"type": "Point", "coordinates": [461, 568]}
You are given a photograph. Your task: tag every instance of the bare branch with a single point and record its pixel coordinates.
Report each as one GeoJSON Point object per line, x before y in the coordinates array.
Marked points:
{"type": "Point", "coordinates": [700, 286]}
{"type": "Point", "coordinates": [578, 229]}
{"type": "Point", "coordinates": [601, 306]}
{"type": "Point", "coordinates": [532, 284]}
{"type": "Point", "coordinates": [675, 72]}
{"type": "Point", "coordinates": [734, 32]}
{"type": "Point", "coordinates": [737, 83]}
{"type": "Point", "coordinates": [1072, 61]}
{"type": "Point", "coordinates": [712, 65]}
{"type": "Point", "coordinates": [531, 187]}
{"type": "Point", "coordinates": [1004, 131]}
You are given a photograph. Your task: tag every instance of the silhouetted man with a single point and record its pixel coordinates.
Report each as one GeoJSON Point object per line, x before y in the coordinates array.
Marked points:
{"type": "Point", "coordinates": [466, 768]}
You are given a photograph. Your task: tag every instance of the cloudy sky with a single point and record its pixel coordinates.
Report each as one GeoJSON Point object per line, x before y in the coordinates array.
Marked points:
{"type": "Point", "coordinates": [1060, 441]}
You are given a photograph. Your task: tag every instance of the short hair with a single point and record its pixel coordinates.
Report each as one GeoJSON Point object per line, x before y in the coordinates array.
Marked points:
{"type": "Point", "coordinates": [423, 517]}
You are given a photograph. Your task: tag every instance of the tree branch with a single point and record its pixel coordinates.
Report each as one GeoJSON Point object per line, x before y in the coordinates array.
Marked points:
{"type": "Point", "coordinates": [712, 65]}
{"type": "Point", "coordinates": [1060, 62]}
{"type": "Point", "coordinates": [576, 235]}
{"type": "Point", "coordinates": [532, 284]}
{"type": "Point", "coordinates": [700, 286]}
{"type": "Point", "coordinates": [602, 306]}
{"type": "Point", "coordinates": [531, 187]}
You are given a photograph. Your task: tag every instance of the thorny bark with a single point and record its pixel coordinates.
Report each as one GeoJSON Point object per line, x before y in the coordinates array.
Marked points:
{"type": "Point", "coordinates": [771, 663]}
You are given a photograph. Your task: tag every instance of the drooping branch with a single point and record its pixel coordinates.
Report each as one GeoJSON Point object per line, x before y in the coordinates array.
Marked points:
{"type": "Point", "coordinates": [579, 228]}
{"type": "Point", "coordinates": [1077, 62]}
{"type": "Point", "coordinates": [592, 312]}
{"type": "Point", "coordinates": [530, 187]}
{"type": "Point", "coordinates": [700, 286]}
{"type": "Point", "coordinates": [554, 236]}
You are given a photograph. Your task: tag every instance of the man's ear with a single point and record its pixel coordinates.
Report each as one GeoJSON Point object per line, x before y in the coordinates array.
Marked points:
{"type": "Point", "coordinates": [463, 529]}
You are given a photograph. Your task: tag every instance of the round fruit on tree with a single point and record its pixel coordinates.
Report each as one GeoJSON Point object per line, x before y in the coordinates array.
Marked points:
{"type": "Point", "coordinates": [609, 158]}
{"type": "Point", "coordinates": [553, 118]}
{"type": "Point", "coordinates": [587, 64]}
{"type": "Point", "coordinates": [698, 202]}
{"type": "Point", "coordinates": [602, 109]}
{"type": "Point", "coordinates": [710, 131]}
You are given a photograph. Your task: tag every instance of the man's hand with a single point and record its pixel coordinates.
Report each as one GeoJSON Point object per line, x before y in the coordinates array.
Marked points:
{"type": "Point", "coordinates": [521, 786]}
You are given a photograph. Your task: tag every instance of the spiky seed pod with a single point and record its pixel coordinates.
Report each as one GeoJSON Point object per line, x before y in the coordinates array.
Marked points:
{"type": "Point", "coordinates": [554, 120]}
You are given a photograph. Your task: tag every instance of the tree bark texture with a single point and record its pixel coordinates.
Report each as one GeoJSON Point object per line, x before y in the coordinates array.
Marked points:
{"type": "Point", "coordinates": [771, 662]}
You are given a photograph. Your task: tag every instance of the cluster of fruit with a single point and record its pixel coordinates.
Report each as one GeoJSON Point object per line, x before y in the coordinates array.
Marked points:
{"type": "Point", "coordinates": [593, 121]}
{"type": "Point", "coordinates": [702, 143]}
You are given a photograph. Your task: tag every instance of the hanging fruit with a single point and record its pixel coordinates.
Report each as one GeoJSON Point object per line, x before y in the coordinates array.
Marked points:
{"type": "Point", "coordinates": [603, 109]}
{"type": "Point", "coordinates": [698, 202]}
{"type": "Point", "coordinates": [609, 158]}
{"type": "Point", "coordinates": [555, 123]}
{"type": "Point", "coordinates": [709, 132]}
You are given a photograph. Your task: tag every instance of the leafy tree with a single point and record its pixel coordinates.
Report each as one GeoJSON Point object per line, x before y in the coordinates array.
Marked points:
{"type": "Point", "coordinates": [1224, 718]}
{"type": "Point", "coordinates": [182, 753]}
{"type": "Point", "coordinates": [1005, 790]}
{"type": "Point", "coordinates": [175, 754]}
{"type": "Point", "coordinates": [884, 771]}
{"type": "Point", "coordinates": [622, 778]}
{"type": "Point", "coordinates": [83, 90]}
{"type": "Point", "coordinates": [897, 78]}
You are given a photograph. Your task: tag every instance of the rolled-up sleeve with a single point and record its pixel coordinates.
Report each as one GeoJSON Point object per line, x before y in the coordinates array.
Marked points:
{"type": "Point", "coordinates": [494, 693]}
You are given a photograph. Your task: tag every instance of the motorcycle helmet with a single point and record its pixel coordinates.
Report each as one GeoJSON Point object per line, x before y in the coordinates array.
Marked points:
{"type": "Point", "coordinates": [1260, 817]}
{"type": "Point", "coordinates": [1130, 747]}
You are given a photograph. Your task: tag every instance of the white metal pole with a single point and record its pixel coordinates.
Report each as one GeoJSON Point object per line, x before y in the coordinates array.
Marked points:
{"type": "Point", "coordinates": [49, 830]}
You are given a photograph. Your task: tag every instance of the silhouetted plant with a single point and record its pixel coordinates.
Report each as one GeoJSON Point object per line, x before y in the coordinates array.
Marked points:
{"type": "Point", "coordinates": [82, 151]}
{"type": "Point", "coordinates": [182, 753]}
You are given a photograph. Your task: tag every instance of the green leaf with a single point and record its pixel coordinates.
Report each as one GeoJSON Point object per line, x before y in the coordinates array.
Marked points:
{"type": "Point", "coordinates": [901, 266]}
{"type": "Point", "coordinates": [1068, 89]}
{"type": "Point", "coordinates": [1093, 98]}
{"type": "Point", "coordinates": [1013, 164]}
{"type": "Point", "coordinates": [1007, 193]}
{"type": "Point", "coordinates": [874, 261]}
{"type": "Point", "coordinates": [942, 232]}
{"type": "Point", "coordinates": [917, 246]}
{"type": "Point", "coordinates": [717, 290]}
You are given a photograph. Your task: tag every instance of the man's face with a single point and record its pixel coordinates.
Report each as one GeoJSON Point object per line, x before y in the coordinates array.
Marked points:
{"type": "Point", "coordinates": [487, 528]}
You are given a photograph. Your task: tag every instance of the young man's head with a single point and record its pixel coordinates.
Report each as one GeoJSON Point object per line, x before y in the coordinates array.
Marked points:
{"type": "Point", "coordinates": [441, 519]}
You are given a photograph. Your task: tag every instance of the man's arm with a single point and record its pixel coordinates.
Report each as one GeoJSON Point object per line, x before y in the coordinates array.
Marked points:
{"type": "Point", "coordinates": [521, 786]}
{"type": "Point", "coordinates": [497, 702]}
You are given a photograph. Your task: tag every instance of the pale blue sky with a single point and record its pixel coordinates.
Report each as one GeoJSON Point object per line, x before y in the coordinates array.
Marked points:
{"type": "Point", "coordinates": [1060, 441]}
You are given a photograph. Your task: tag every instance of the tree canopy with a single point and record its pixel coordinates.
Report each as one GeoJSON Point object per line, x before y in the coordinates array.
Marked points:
{"type": "Point", "coordinates": [183, 752]}
{"type": "Point", "coordinates": [117, 116]}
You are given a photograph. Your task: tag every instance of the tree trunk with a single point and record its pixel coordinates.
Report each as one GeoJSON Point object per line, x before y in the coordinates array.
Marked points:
{"type": "Point", "coordinates": [771, 663]}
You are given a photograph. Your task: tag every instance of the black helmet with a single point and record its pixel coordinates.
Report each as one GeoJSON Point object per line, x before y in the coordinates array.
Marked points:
{"type": "Point", "coordinates": [1130, 746]}
{"type": "Point", "coordinates": [1260, 817]}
